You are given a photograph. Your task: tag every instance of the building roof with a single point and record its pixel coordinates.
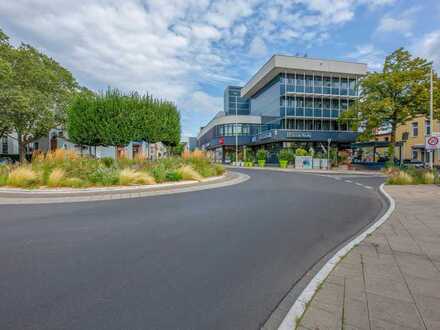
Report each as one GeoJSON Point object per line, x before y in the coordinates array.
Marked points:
{"type": "Point", "coordinates": [288, 64]}
{"type": "Point", "coordinates": [219, 120]}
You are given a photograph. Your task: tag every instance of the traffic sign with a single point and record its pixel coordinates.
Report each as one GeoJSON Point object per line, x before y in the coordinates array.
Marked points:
{"type": "Point", "coordinates": [432, 142]}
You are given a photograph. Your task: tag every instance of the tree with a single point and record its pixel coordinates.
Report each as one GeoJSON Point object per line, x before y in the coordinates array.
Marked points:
{"type": "Point", "coordinates": [114, 118]}
{"type": "Point", "coordinates": [393, 96]}
{"type": "Point", "coordinates": [36, 93]}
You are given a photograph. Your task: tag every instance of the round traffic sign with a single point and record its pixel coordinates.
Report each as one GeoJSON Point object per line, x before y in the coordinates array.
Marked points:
{"type": "Point", "coordinates": [433, 140]}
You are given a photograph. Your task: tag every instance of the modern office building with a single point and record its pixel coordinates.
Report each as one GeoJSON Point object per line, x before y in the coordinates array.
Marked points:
{"type": "Point", "coordinates": [290, 102]}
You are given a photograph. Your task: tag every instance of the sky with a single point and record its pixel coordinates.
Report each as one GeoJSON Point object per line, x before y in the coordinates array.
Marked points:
{"type": "Point", "coordinates": [188, 51]}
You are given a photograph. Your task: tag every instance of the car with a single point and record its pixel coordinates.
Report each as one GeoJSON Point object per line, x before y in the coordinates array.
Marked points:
{"type": "Point", "coordinates": [5, 160]}
{"type": "Point", "coordinates": [414, 163]}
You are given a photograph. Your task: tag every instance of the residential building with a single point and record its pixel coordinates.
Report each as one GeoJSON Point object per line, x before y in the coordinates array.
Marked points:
{"type": "Point", "coordinates": [412, 135]}
{"type": "Point", "coordinates": [290, 102]}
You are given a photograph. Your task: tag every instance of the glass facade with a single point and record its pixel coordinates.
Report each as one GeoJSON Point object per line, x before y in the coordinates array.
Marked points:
{"type": "Point", "coordinates": [234, 103]}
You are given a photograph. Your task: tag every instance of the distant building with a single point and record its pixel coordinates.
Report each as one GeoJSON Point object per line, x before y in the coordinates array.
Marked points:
{"type": "Point", "coordinates": [290, 102]}
{"type": "Point", "coordinates": [189, 142]}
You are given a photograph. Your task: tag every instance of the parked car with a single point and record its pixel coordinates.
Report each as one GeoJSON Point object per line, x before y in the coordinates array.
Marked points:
{"type": "Point", "coordinates": [414, 163]}
{"type": "Point", "coordinates": [5, 160]}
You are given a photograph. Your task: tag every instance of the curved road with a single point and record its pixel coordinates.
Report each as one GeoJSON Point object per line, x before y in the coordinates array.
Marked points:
{"type": "Point", "coordinates": [213, 259]}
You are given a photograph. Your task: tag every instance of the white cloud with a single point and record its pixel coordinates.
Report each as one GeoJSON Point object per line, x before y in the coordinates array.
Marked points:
{"type": "Point", "coordinates": [257, 47]}
{"type": "Point", "coordinates": [402, 23]}
{"type": "Point", "coordinates": [368, 54]}
{"type": "Point", "coordinates": [173, 48]}
{"type": "Point", "coordinates": [429, 47]}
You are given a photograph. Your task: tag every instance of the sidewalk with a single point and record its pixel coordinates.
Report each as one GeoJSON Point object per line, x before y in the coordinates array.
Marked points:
{"type": "Point", "coordinates": [392, 279]}
{"type": "Point", "coordinates": [313, 171]}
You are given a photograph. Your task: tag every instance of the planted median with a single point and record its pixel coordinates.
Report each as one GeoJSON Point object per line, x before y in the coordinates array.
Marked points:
{"type": "Point", "coordinates": [65, 168]}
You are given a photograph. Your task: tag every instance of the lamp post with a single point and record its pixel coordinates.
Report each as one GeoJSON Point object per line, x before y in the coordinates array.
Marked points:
{"type": "Point", "coordinates": [431, 119]}
{"type": "Point", "coordinates": [236, 130]}
{"type": "Point", "coordinates": [329, 141]}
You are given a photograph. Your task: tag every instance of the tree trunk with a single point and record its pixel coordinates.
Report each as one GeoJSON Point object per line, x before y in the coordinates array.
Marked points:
{"type": "Point", "coordinates": [21, 148]}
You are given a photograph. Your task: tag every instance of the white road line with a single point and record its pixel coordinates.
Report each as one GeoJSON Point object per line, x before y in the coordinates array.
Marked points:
{"type": "Point", "coordinates": [368, 187]}
{"type": "Point", "coordinates": [358, 184]}
{"type": "Point", "coordinates": [348, 181]}
{"type": "Point", "coordinates": [293, 315]}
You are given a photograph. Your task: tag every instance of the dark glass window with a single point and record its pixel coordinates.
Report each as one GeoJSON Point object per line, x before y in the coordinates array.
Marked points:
{"type": "Point", "coordinates": [318, 85]}
{"type": "Point", "coordinates": [309, 84]}
{"type": "Point", "coordinates": [335, 86]}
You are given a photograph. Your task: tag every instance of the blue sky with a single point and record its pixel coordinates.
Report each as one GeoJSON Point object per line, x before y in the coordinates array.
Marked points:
{"type": "Point", "coordinates": [188, 50]}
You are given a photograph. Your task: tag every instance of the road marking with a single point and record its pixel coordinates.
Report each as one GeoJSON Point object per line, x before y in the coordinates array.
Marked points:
{"type": "Point", "coordinates": [368, 187]}
{"type": "Point", "coordinates": [295, 312]}
{"type": "Point", "coordinates": [348, 181]}
{"type": "Point", "coordinates": [359, 184]}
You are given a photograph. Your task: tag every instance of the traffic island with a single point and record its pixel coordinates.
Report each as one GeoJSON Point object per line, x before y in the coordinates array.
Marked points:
{"type": "Point", "coordinates": [391, 280]}
{"type": "Point", "coordinates": [70, 195]}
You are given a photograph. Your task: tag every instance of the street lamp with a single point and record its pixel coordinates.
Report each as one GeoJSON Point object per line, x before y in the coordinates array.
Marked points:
{"type": "Point", "coordinates": [431, 119]}
{"type": "Point", "coordinates": [236, 130]}
{"type": "Point", "coordinates": [329, 141]}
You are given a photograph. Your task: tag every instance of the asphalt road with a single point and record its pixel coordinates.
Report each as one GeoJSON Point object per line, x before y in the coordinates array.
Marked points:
{"type": "Point", "coordinates": [213, 259]}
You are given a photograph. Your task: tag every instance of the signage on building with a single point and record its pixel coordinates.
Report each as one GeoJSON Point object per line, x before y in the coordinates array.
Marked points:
{"type": "Point", "coordinates": [298, 135]}
{"type": "Point", "coordinates": [221, 140]}
{"type": "Point", "coordinates": [432, 142]}
{"type": "Point", "coordinates": [265, 135]}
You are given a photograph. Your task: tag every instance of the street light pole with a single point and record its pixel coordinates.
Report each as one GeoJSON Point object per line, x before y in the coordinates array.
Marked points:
{"type": "Point", "coordinates": [329, 141]}
{"type": "Point", "coordinates": [431, 119]}
{"type": "Point", "coordinates": [236, 130]}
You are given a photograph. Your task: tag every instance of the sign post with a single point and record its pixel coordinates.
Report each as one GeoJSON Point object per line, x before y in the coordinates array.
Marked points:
{"type": "Point", "coordinates": [432, 143]}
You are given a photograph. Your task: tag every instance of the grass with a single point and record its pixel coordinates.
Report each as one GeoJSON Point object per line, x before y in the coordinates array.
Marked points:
{"type": "Point", "coordinates": [65, 168]}
{"type": "Point", "coordinates": [409, 176]}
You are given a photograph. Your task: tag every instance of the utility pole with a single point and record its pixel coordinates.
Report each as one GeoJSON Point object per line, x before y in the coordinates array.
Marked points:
{"type": "Point", "coordinates": [431, 119]}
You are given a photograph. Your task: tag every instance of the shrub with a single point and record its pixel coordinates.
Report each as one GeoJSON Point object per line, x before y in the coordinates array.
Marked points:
{"type": "Point", "coordinates": [23, 177]}
{"type": "Point", "coordinates": [74, 183]}
{"type": "Point", "coordinates": [219, 169]}
{"type": "Point", "coordinates": [285, 154]}
{"type": "Point", "coordinates": [173, 176]}
{"type": "Point", "coordinates": [188, 173]}
{"type": "Point", "coordinates": [301, 152]}
{"type": "Point", "coordinates": [428, 178]}
{"type": "Point", "coordinates": [261, 154]}
{"type": "Point", "coordinates": [250, 157]}
{"type": "Point", "coordinates": [4, 173]}
{"type": "Point", "coordinates": [55, 178]}
{"type": "Point", "coordinates": [128, 176]}
{"type": "Point", "coordinates": [108, 161]}
{"type": "Point", "coordinates": [104, 176]}
{"type": "Point", "coordinates": [400, 178]}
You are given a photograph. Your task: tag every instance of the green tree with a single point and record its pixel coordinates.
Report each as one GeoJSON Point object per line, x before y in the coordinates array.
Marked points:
{"type": "Point", "coordinates": [36, 93]}
{"type": "Point", "coordinates": [393, 96]}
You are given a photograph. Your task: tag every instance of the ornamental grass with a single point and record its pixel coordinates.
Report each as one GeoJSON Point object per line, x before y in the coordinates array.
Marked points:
{"type": "Point", "coordinates": [129, 176]}
{"type": "Point", "coordinates": [188, 173]}
{"type": "Point", "coordinates": [66, 168]}
{"type": "Point", "coordinates": [23, 177]}
{"type": "Point", "coordinates": [55, 178]}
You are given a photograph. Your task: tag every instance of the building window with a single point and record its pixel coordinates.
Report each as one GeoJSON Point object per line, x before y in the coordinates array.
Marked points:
{"type": "Point", "coordinates": [427, 127]}
{"type": "Point", "coordinates": [414, 154]}
{"type": "Point", "coordinates": [5, 145]}
{"type": "Point", "coordinates": [405, 136]}
{"type": "Point", "coordinates": [415, 129]}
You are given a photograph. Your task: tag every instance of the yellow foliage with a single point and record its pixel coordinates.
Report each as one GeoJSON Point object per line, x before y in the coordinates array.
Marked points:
{"type": "Point", "coordinates": [128, 176]}
{"type": "Point", "coordinates": [55, 178]}
{"type": "Point", "coordinates": [22, 177]}
{"type": "Point", "coordinates": [428, 178]}
{"type": "Point", "coordinates": [62, 154]}
{"type": "Point", "coordinates": [188, 173]}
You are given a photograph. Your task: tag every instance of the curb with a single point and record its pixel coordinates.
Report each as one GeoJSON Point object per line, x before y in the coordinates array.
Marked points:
{"type": "Point", "coordinates": [219, 182]}
{"type": "Point", "coordinates": [297, 310]}
{"type": "Point", "coordinates": [293, 170]}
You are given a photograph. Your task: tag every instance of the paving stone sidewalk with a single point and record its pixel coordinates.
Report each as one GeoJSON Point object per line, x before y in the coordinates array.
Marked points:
{"type": "Point", "coordinates": [392, 279]}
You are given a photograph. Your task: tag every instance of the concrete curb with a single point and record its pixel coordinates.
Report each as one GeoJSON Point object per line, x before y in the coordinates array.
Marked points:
{"type": "Point", "coordinates": [296, 311]}
{"type": "Point", "coordinates": [92, 191]}
{"type": "Point", "coordinates": [226, 180]}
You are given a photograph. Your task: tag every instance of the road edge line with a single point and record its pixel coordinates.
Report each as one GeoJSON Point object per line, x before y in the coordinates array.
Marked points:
{"type": "Point", "coordinates": [298, 308]}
